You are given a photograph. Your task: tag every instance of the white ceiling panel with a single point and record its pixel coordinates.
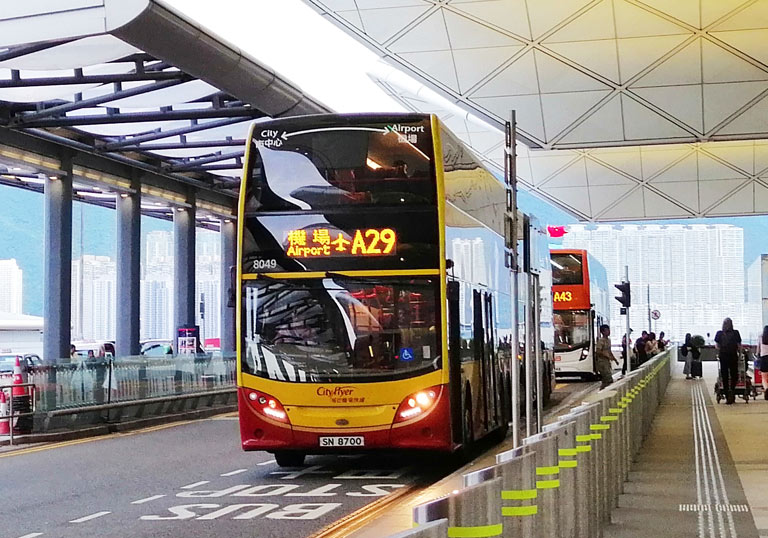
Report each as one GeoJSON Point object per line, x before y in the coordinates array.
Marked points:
{"type": "Point", "coordinates": [655, 90]}
{"type": "Point", "coordinates": [741, 202]}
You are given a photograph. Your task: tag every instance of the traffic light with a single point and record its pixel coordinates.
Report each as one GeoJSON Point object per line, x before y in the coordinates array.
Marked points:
{"type": "Point", "coordinates": [625, 298]}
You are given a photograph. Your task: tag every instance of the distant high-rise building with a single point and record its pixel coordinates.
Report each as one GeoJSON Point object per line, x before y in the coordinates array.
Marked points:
{"type": "Point", "coordinates": [156, 309]}
{"type": "Point", "coordinates": [692, 274]}
{"type": "Point", "coordinates": [93, 298]}
{"type": "Point", "coordinates": [157, 285]}
{"type": "Point", "coordinates": [11, 277]}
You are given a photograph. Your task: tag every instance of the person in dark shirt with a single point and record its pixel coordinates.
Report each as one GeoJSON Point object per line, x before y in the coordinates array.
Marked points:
{"type": "Point", "coordinates": [728, 343]}
{"type": "Point", "coordinates": [640, 348]}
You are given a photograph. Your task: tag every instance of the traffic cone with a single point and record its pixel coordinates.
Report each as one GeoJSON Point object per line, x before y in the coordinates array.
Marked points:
{"type": "Point", "coordinates": [18, 379]}
{"type": "Point", "coordinates": [21, 400]}
{"type": "Point", "coordinates": [5, 426]}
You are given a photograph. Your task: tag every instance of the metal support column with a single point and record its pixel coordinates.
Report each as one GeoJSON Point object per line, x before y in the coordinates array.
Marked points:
{"type": "Point", "coordinates": [57, 289]}
{"type": "Point", "coordinates": [57, 282]}
{"type": "Point", "coordinates": [228, 250]}
{"type": "Point", "coordinates": [184, 266]}
{"type": "Point", "coordinates": [627, 340]}
{"type": "Point", "coordinates": [528, 356]}
{"type": "Point", "coordinates": [128, 209]}
{"type": "Point", "coordinates": [538, 352]}
{"type": "Point", "coordinates": [510, 170]}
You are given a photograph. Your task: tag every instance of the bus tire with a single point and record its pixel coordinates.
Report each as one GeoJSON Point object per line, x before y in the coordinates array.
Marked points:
{"type": "Point", "coordinates": [289, 458]}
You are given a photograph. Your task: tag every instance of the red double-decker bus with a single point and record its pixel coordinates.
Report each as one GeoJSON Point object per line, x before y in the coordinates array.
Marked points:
{"type": "Point", "coordinates": [580, 304]}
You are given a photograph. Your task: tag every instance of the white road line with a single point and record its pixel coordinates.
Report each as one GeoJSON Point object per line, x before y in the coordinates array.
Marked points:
{"type": "Point", "coordinates": [698, 473]}
{"type": "Point", "coordinates": [192, 486]}
{"type": "Point", "coordinates": [710, 461]}
{"type": "Point", "coordinates": [152, 498]}
{"type": "Point", "coordinates": [32, 535]}
{"type": "Point", "coordinates": [268, 462]}
{"type": "Point", "coordinates": [701, 462]}
{"type": "Point", "coordinates": [233, 473]}
{"type": "Point", "coordinates": [728, 515]}
{"type": "Point", "coordinates": [88, 518]}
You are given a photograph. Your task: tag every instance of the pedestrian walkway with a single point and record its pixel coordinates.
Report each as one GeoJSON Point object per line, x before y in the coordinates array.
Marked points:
{"type": "Point", "coordinates": [702, 470]}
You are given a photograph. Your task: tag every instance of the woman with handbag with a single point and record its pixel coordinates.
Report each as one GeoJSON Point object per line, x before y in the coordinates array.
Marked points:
{"type": "Point", "coordinates": [762, 352]}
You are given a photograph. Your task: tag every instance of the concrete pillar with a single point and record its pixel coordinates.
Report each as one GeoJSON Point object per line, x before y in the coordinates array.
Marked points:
{"type": "Point", "coordinates": [57, 286]}
{"type": "Point", "coordinates": [228, 254]}
{"type": "Point", "coordinates": [128, 209]}
{"type": "Point", "coordinates": [184, 266]}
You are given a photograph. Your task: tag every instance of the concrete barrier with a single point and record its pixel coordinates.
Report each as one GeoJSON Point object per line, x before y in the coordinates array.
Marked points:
{"type": "Point", "coordinates": [544, 447]}
{"type": "Point", "coordinates": [474, 511]}
{"type": "Point", "coordinates": [565, 432]}
{"type": "Point", "coordinates": [565, 481]}
{"type": "Point", "coordinates": [519, 496]}
{"type": "Point", "coordinates": [586, 494]}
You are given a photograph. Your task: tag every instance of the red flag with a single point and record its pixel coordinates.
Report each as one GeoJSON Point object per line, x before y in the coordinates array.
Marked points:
{"type": "Point", "coordinates": [556, 231]}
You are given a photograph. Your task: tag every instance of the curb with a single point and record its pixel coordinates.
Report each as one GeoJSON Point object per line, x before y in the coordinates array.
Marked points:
{"type": "Point", "coordinates": [117, 427]}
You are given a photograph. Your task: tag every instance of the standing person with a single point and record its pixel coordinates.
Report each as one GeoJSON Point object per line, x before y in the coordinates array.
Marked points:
{"type": "Point", "coordinates": [640, 348]}
{"type": "Point", "coordinates": [604, 356]}
{"type": "Point", "coordinates": [651, 346]}
{"type": "Point", "coordinates": [661, 342]}
{"type": "Point", "coordinates": [728, 344]}
{"type": "Point", "coordinates": [762, 352]}
{"type": "Point", "coordinates": [691, 352]}
{"type": "Point", "coordinates": [685, 351]}
{"type": "Point", "coordinates": [625, 351]}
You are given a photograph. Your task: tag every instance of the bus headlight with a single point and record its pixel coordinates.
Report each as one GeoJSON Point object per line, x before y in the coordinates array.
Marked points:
{"type": "Point", "coordinates": [266, 405]}
{"type": "Point", "coordinates": [418, 403]}
{"type": "Point", "coordinates": [584, 354]}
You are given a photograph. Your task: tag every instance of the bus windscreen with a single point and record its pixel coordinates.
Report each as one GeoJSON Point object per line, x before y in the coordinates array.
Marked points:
{"type": "Point", "coordinates": [316, 166]}
{"type": "Point", "coordinates": [567, 269]}
{"type": "Point", "coordinates": [572, 329]}
{"type": "Point", "coordinates": [340, 329]}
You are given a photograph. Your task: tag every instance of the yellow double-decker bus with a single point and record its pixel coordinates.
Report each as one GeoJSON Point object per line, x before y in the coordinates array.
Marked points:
{"type": "Point", "coordinates": [374, 297]}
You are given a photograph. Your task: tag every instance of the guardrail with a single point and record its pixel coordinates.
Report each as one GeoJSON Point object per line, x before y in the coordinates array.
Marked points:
{"type": "Point", "coordinates": [563, 482]}
{"type": "Point", "coordinates": [65, 385]}
{"type": "Point", "coordinates": [76, 394]}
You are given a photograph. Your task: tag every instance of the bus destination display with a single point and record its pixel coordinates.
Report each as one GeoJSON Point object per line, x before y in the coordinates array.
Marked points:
{"type": "Point", "coordinates": [324, 243]}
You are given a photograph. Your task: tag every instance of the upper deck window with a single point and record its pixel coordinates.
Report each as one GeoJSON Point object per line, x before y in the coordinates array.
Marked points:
{"type": "Point", "coordinates": [567, 269]}
{"type": "Point", "coordinates": [303, 166]}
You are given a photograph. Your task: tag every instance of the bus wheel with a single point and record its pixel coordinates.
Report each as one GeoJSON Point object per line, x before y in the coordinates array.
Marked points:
{"type": "Point", "coordinates": [468, 430]}
{"type": "Point", "coordinates": [290, 459]}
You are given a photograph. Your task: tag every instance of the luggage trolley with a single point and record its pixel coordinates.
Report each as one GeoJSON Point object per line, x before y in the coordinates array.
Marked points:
{"type": "Point", "coordinates": [744, 387]}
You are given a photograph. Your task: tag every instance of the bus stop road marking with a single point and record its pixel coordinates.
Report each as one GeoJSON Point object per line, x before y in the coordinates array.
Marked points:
{"type": "Point", "coordinates": [88, 518]}
{"type": "Point", "coordinates": [268, 462]}
{"type": "Point", "coordinates": [146, 500]}
{"type": "Point", "coordinates": [32, 535]}
{"type": "Point", "coordinates": [233, 473]}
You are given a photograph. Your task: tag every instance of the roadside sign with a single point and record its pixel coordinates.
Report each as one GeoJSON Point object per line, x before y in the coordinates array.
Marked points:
{"type": "Point", "coordinates": [655, 314]}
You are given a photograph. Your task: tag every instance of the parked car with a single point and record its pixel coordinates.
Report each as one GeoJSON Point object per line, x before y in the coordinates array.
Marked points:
{"type": "Point", "coordinates": [7, 363]}
{"type": "Point", "coordinates": [156, 348]}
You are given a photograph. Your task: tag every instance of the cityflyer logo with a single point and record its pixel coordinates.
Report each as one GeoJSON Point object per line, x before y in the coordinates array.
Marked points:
{"type": "Point", "coordinates": [335, 392]}
{"type": "Point", "coordinates": [340, 394]}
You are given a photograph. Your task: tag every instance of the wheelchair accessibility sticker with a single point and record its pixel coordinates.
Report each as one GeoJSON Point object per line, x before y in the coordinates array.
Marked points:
{"type": "Point", "coordinates": [406, 354]}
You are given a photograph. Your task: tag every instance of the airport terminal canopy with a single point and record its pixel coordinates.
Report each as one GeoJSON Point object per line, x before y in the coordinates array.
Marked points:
{"type": "Point", "coordinates": [130, 89]}
{"type": "Point", "coordinates": [629, 109]}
